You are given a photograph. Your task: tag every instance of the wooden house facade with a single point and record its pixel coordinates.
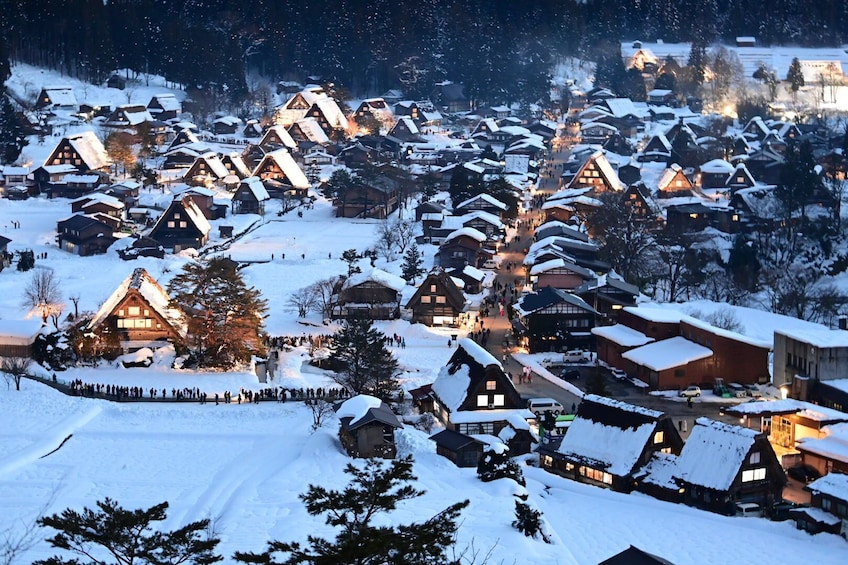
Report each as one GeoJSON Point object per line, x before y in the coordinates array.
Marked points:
{"type": "Point", "coordinates": [137, 315]}
{"type": "Point", "coordinates": [84, 235]}
{"type": "Point", "coordinates": [367, 426]}
{"type": "Point", "coordinates": [250, 197]}
{"type": "Point", "coordinates": [181, 226]}
{"type": "Point", "coordinates": [438, 300]}
{"type": "Point", "coordinates": [554, 320]}
{"type": "Point", "coordinates": [374, 295]}
{"type": "Point", "coordinates": [743, 468]}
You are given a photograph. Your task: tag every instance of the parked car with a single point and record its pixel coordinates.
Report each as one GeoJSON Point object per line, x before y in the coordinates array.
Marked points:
{"type": "Point", "coordinates": [749, 510]}
{"type": "Point", "coordinates": [490, 264]}
{"type": "Point", "coordinates": [803, 473]}
{"type": "Point", "coordinates": [753, 391]}
{"type": "Point", "coordinates": [620, 374]}
{"type": "Point", "coordinates": [737, 390]}
{"type": "Point", "coordinates": [540, 406]}
{"type": "Point", "coordinates": [569, 374]}
{"type": "Point", "coordinates": [690, 391]}
{"type": "Point", "coordinates": [575, 356]}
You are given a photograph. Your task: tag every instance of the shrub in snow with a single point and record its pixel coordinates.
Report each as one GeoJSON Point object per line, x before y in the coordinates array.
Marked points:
{"type": "Point", "coordinates": [426, 422]}
{"type": "Point", "coordinates": [496, 464]}
{"type": "Point", "coordinates": [528, 521]}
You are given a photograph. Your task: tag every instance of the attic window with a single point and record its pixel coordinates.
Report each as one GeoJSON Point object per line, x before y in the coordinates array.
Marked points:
{"type": "Point", "coordinates": [482, 400]}
{"type": "Point", "coordinates": [499, 400]}
{"type": "Point", "coordinates": [491, 385]}
{"type": "Point", "coordinates": [659, 437]}
{"type": "Point", "coordinates": [134, 311]}
{"type": "Point", "coordinates": [754, 475]}
{"type": "Point", "coordinates": [754, 458]}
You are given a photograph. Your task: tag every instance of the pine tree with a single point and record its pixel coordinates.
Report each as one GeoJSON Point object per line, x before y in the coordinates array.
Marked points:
{"type": "Point", "coordinates": [494, 465]}
{"type": "Point", "coordinates": [128, 537]}
{"type": "Point", "coordinates": [698, 63]}
{"type": "Point", "coordinates": [795, 78]}
{"type": "Point", "coordinates": [411, 267]}
{"type": "Point", "coordinates": [224, 314]}
{"type": "Point", "coordinates": [528, 520]}
{"type": "Point", "coordinates": [351, 257]}
{"type": "Point", "coordinates": [376, 489]}
{"type": "Point", "coordinates": [12, 138]}
{"type": "Point", "coordinates": [365, 365]}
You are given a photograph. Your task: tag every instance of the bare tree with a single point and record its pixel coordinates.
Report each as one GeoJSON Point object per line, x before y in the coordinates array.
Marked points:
{"type": "Point", "coordinates": [324, 291]}
{"type": "Point", "coordinates": [75, 300]}
{"type": "Point", "coordinates": [14, 540]}
{"type": "Point", "coordinates": [14, 370]}
{"type": "Point", "coordinates": [42, 294]}
{"type": "Point", "coordinates": [321, 410]}
{"type": "Point", "coordinates": [303, 300]}
{"type": "Point", "coordinates": [387, 239]}
{"type": "Point", "coordinates": [404, 232]}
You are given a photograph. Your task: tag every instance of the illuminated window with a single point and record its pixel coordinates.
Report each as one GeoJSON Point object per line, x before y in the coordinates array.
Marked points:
{"type": "Point", "coordinates": [432, 288]}
{"type": "Point", "coordinates": [425, 300]}
{"type": "Point", "coordinates": [750, 475]}
{"type": "Point", "coordinates": [171, 224]}
{"type": "Point", "coordinates": [491, 385]}
{"type": "Point", "coordinates": [134, 311]}
{"type": "Point", "coordinates": [693, 216]}
{"type": "Point", "coordinates": [440, 300]}
{"type": "Point", "coordinates": [659, 437]}
{"type": "Point", "coordinates": [482, 400]}
{"type": "Point", "coordinates": [499, 400]}
{"type": "Point", "coordinates": [183, 224]}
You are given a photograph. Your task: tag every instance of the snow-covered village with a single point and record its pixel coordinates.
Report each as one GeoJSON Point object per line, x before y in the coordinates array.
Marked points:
{"type": "Point", "coordinates": [412, 315]}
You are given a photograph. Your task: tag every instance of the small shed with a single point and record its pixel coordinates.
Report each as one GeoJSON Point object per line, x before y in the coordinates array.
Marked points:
{"type": "Point", "coordinates": [367, 426]}
{"type": "Point", "coordinates": [463, 450]}
{"type": "Point", "coordinates": [17, 337]}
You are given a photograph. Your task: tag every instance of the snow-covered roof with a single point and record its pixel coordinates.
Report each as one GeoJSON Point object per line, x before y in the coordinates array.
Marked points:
{"type": "Point", "coordinates": [478, 353]}
{"type": "Point", "coordinates": [667, 354]}
{"type": "Point", "coordinates": [168, 102]}
{"type": "Point", "coordinates": [622, 335]}
{"type": "Point", "coordinates": [255, 186]}
{"type": "Point", "coordinates": [9, 170]}
{"type": "Point", "coordinates": [288, 166]}
{"type": "Point", "coordinates": [721, 332]}
{"type": "Point", "coordinates": [717, 166]}
{"type": "Point", "coordinates": [473, 272]}
{"type": "Point", "coordinates": [832, 484]}
{"type": "Point", "coordinates": [714, 453]}
{"type": "Point", "coordinates": [560, 264]}
{"type": "Point", "coordinates": [195, 215]}
{"type": "Point", "coordinates": [81, 179]}
{"type": "Point", "coordinates": [818, 338]}
{"type": "Point", "coordinates": [452, 388]}
{"type": "Point", "coordinates": [616, 449]}
{"type": "Point", "coordinates": [228, 120]}
{"type": "Point", "coordinates": [487, 198]}
{"type": "Point", "coordinates": [357, 407]}
{"type": "Point", "coordinates": [61, 95]}
{"type": "Point", "coordinates": [379, 276]}
{"type": "Point", "coordinates": [19, 332]}
{"type": "Point", "coordinates": [313, 131]}
{"type": "Point", "coordinates": [471, 416]}
{"type": "Point", "coordinates": [657, 315]}
{"type": "Point", "coordinates": [216, 166]}
{"type": "Point", "coordinates": [151, 291]}
{"type": "Point", "coordinates": [90, 149]}
{"type": "Point", "coordinates": [470, 232]}
{"type": "Point", "coordinates": [283, 134]}
{"type": "Point", "coordinates": [487, 217]}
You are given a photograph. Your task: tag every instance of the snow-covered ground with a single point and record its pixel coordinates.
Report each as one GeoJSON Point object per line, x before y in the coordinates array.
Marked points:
{"type": "Point", "coordinates": [245, 465]}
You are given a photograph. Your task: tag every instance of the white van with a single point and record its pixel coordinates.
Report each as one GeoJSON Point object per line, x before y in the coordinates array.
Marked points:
{"type": "Point", "coordinates": [490, 264]}
{"type": "Point", "coordinates": [540, 406]}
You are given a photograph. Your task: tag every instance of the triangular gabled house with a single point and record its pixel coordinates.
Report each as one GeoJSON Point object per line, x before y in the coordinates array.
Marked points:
{"type": "Point", "coordinates": [308, 130]}
{"type": "Point", "coordinates": [250, 197]}
{"type": "Point", "coordinates": [277, 137]}
{"type": "Point", "coordinates": [472, 395]}
{"type": "Point", "coordinates": [551, 319]}
{"type": "Point", "coordinates": [138, 314]}
{"type": "Point", "coordinates": [235, 165]}
{"type": "Point", "coordinates": [608, 442]}
{"type": "Point", "coordinates": [438, 301]}
{"type": "Point", "coordinates": [164, 106]}
{"type": "Point", "coordinates": [405, 129]}
{"type": "Point", "coordinates": [374, 294]}
{"type": "Point", "coordinates": [81, 150]}
{"type": "Point", "coordinates": [56, 97]}
{"type": "Point", "coordinates": [756, 129]}
{"type": "Point", "coordinates": [674, 183]}
{"type": "Point", "coordinates": [206, 170]}
{"type": "Point", "coordinates": [722, 464]}
{"type": "Point", "coordinates": [281, 167]}
{"type": "Point", "coordinates": [740, 178]}
{"type": "Point", "coordinates": [181, 226]}
{"type": "Point", "coordinates": [484, 202]}
{"type": "Point", "coordinates": [597, 173]}
{"type": "Point", "coordinates": [184, 137]}
{"type": "Point", "coordinates": [366, 427]}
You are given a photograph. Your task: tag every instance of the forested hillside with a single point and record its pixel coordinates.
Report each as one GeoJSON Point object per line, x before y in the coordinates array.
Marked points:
{"type": "Point", "coordinates": [500, 50]}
